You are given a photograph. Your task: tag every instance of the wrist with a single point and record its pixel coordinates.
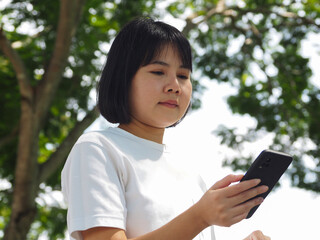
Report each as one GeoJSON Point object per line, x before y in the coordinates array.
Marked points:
{"type": "Point", "coordinates": [198, 216]}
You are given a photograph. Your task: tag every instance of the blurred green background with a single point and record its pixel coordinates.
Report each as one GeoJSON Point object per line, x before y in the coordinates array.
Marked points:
{"type": "Point", "coordinates": [52, 53]}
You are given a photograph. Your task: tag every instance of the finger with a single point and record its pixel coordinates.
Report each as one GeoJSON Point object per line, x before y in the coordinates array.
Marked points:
{"type": "Point", "coordinates": [249, 194]}
{"type": "Point", "coordinates": [244, 208]}
{"type": "Point", "coordinates": [242, 187]}
{"type": "Point", "coordinates": [226, 181]}
{"type": "Point", "coordinates": [258, 235]}
{"type": "Point", "coordinates": [238, 218]}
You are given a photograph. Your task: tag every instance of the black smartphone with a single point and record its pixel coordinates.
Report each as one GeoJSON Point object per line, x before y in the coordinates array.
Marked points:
{"type": "Point", "coordinates": [269, 167]}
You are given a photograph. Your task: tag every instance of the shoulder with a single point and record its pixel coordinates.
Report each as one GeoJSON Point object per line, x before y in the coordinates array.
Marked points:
{"type": "Point", "coordinates": [102, 139]}
{"type": "Point", "coordinates": [94, 152]}
{"type": "Point", "coordinates": [95, 137]}
{"type": "Point", "coordinates": [93, 147]}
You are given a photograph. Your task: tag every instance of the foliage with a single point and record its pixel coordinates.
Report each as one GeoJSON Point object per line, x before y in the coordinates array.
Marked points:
{"type": "Point", "coordinates": [255, 46]}
{"type": "Point", "coordinates": [31, 27]}
{"type": "Point", "coordinates": [272, 77]}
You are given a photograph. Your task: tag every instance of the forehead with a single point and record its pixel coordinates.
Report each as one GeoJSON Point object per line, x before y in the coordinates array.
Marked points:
{"type": "Point", "coordinates": [167, 51]}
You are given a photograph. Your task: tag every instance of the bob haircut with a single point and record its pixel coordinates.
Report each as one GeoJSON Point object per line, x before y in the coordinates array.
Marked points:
{"type": "Point", "coordinates": [136, 45]}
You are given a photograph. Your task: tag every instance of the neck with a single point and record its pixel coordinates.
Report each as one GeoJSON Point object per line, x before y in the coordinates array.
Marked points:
{"type": "Point", "coordinates": [144, 131]}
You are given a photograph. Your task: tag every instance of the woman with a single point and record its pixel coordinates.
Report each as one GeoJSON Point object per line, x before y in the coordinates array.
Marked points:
{"type": "Point", "coordinates": [122, 183]}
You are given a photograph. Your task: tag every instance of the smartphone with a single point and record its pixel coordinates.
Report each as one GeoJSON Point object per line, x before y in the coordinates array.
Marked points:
{"type": "Point", "coordinates": [269, 167]}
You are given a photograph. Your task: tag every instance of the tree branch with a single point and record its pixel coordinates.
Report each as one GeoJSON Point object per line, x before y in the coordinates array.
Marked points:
{"type": "Point", "coordinates": [18, 66]}
{"type": "Point", "coordinates": [285, 14]}
{"type": "Point", "coordinates": [221, 9]}
{"type": "Point", "coordinates": [58, 157]}
{"type": "Point", "coordinates": [70, 14]}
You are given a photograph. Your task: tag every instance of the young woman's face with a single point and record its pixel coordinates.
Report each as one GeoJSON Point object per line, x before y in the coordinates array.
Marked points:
{"type": "Point", "coordinates": [161, 91]}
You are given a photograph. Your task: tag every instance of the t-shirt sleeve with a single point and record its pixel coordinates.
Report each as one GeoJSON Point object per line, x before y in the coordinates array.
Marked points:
{"type": "Point", "coordinates": [93, 189]}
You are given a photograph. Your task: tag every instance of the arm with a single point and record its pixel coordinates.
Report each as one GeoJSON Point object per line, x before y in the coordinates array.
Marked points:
{"type": "Point", "coordinates": [221, 205]}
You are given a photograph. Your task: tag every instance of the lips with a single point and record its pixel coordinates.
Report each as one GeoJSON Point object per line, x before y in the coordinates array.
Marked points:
{"type": "Point", "coordinates": [169, 103]}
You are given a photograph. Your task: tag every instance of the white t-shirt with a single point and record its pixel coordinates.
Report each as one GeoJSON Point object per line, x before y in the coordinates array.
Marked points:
{"type": "Point", "coordinates": [115, 179]}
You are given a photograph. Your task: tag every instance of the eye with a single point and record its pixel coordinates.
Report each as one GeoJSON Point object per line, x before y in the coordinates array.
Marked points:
{"type": "Point", "coordinates": [181, 76]}
{"type": "Point", "coordinates": [159, 73]}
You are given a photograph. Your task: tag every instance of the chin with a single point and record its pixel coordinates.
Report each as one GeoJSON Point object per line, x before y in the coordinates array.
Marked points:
{"type": "Point", "coordinates": [165, 123]}
{"type": "Point", "coordinates": [171, 124]}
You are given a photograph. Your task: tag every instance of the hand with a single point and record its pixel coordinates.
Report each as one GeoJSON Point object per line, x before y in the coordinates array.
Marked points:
{"type": "Point", "coordinates": [225, 205]}
{"type": "Point", "coordinates": [257, 235]}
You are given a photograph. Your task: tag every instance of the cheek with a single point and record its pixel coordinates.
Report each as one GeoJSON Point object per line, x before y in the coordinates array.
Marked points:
{"type": "Point", "coordinates": [188, 92]}
{"type": "Point", "coordinates": [141, 98]}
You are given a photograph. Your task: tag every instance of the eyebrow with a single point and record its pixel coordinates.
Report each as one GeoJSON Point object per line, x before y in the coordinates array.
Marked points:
{"type": "Point", "coordinates": [166, 64]}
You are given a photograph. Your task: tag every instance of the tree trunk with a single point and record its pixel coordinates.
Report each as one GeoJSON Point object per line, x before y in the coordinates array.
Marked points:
{"type": "Point", "coordinates": [35, 103]}
{"type": "Point", "coordinates": [26, 172]}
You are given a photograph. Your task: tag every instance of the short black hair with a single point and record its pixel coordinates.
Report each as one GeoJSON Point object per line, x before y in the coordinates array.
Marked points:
{"type": "Point", "coordinates": [136, 45]}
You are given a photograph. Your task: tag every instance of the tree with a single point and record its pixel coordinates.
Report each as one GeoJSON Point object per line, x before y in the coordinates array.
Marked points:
{"type": "Point", "coordinates": [269, 71]}
{"type": "Point", "coordinates": [47, 76]}
{"type": "Point", "coordinates": [284, 100]}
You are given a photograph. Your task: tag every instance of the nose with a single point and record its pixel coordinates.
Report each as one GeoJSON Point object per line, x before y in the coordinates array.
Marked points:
{"type": "Point", "coordinates": [172, 90]}
{"type": "Point", "coordinates": [173, 86]}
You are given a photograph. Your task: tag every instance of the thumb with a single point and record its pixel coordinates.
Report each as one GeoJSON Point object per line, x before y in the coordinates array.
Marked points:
{"type": "Point", "coordinates": [226, 181]}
